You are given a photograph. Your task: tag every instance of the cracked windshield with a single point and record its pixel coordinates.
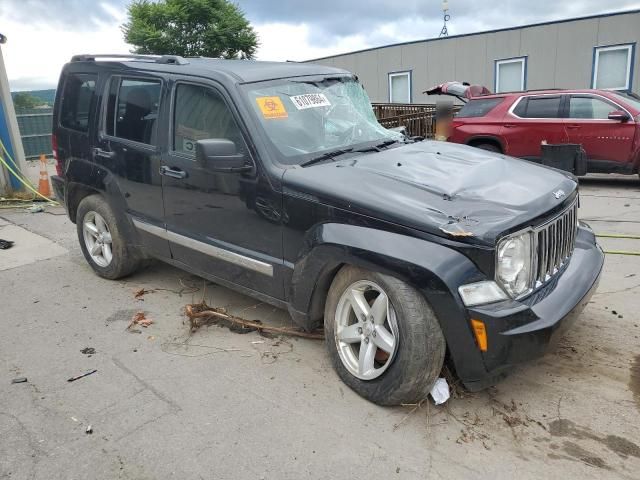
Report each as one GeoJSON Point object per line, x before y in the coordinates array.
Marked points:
{"type": "Point", "coordinates": [306, 118]}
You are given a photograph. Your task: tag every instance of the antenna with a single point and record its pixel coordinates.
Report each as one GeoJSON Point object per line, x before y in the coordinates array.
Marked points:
{"type": "Point", "coordinates": [445, 8]}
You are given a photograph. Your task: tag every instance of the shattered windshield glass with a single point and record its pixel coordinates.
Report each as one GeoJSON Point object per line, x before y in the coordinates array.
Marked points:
{"type": "Point", "coordinates": [306, 118]}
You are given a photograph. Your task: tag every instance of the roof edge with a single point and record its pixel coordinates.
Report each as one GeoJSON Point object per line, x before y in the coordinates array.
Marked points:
{"type": "Point", "coordinates": [484, 32]}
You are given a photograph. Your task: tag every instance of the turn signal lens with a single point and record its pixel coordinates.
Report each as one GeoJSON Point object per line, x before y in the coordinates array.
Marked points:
{"type": "Point", "coordinates": [480, 293]}
{"type": "Point", "coordinates": [480, 332]}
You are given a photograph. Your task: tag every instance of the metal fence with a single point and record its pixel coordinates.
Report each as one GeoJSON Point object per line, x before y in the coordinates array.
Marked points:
{"type": "Point", "coordinates": [419, 119]}
{"type": "Point", "coordinates": [35, 130]}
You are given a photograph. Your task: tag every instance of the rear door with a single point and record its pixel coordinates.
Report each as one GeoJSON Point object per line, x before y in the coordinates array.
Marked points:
{"type": "Point", "coordinates": [532, 121]}
{"type": "Point", "coordinates": [588, 124]}
{"type": "Point", "coordinates": [128, 149]}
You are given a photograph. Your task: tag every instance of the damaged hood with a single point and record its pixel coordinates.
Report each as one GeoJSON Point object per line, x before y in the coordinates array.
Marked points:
{"type": "Point", "coordinates": [446, 189]}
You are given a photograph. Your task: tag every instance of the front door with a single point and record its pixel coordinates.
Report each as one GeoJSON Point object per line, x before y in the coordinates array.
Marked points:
{"type": "Point", "coordinates": [534, 120]}
{"type": "Point", "coordinates": [225, 225]}
{"type": "Point", "coordinates": [602, 139]}
{"type": "Point", "coordinates": [127, 148]}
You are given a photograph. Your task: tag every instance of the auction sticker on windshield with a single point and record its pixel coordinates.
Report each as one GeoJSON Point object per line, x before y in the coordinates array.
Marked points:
{"type": "Point", "coordinates": [310, 100]}
{"type": "Point", "coordinates": [272, 107]}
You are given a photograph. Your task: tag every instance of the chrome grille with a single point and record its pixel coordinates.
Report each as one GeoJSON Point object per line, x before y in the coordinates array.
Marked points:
{"type": "Point", "coordinates": [554, 243]}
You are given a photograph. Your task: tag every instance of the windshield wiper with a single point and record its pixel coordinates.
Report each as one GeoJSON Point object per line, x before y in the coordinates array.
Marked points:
{"type": "Point", "coordinates": [326, 156]}
{"type": "Point", "coordinates": [377, 147]}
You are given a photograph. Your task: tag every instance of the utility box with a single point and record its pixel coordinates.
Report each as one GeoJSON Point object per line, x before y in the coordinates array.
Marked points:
{"type": "Point", "coordinates": [570, 157]}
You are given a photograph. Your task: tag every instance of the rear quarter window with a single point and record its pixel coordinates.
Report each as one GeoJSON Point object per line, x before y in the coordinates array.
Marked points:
{"type": "Point", "coordinates": [478, 108]}
{"type": "Point", "coordinates": [78, 96]}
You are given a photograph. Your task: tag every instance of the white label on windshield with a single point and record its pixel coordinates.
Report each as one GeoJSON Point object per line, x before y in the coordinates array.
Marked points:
{"type": "Point", "coordinates": [310, 100]}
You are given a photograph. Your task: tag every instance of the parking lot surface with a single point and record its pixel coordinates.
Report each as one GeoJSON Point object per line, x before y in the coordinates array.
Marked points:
{"type": "Point", "coordinates": [214, 404]}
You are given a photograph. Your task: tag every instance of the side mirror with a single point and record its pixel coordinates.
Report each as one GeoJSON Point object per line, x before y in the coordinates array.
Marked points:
{"type": "Point", "coordinates": [619, 116]}
{"type": "Point", "coordinates": [220, 155]}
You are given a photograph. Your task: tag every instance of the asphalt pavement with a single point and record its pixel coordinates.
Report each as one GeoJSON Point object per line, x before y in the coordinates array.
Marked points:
{"type": "Point", "coordinates": [212, 404]}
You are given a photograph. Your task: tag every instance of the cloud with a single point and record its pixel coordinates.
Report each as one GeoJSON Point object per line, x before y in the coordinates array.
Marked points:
{"type": "Point", "coordinates": [34, 56]}
{"type": "Point", "coordinates": [66, 14]}
{"type": "Point", "coordinates": [330, 20]}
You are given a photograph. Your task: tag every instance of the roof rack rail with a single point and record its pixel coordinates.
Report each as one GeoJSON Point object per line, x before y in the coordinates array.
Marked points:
{"type": "Point", "coordinates": [545, 89]}
{"type": "Point", "coordinates": [163, 59]}
{"type": "Point", "coordinates": [531, 90]}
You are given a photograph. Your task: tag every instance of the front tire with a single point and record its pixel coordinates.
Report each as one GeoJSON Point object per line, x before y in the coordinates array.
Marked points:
{"type": "Point", "coordinates": [384, 340]}
{"type": "Point", "coordinates": [103, 241]}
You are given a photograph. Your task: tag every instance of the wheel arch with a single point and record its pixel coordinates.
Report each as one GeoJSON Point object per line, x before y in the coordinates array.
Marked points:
{"type": "Point", "coordinates": [76, 192]}
{"type": "Point", "coordinates": [84, 179]}
{"type": "Point", "coordinates": [433, 269]}
{"type": "Point", "coordinates": [476, 140]}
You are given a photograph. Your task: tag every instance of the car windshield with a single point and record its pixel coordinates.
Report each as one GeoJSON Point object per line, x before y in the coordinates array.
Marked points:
{"type": "Point", "coordinates": [307, 118]}
{"type": "Point", "coordinates": [631, 99]}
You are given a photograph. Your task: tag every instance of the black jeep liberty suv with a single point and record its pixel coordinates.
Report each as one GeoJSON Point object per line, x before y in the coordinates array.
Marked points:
{"type": "Point", "coordinates": [276, 179]}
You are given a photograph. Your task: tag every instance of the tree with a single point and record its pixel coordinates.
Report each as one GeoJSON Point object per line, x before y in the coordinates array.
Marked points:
{"type": "Point", "coordinates": [190, 28]}
{"type": "Point", "coordinates": [23, 100]}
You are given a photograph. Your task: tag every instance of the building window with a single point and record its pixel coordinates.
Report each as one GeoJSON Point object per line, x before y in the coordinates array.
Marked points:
{"type": "Point", "coordinates": [612, 67]}
{"type": "Point", "coordinates": [400, 87]}
{"type": "Point", "coordinates": [511, 75]}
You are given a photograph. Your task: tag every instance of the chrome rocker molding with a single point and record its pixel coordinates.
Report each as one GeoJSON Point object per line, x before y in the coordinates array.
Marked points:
{"type": "Point", "coordinates": [207, 249]}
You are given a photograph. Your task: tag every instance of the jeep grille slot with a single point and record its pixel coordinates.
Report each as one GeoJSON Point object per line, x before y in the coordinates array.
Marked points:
{"type": "Point", "coordinates": [554, 243]}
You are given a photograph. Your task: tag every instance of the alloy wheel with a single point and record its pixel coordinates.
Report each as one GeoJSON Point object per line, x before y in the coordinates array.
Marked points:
{"type": "Point", "coordinates": [97, 239]}
{"type": "Point", "coordinates": [366, 332]}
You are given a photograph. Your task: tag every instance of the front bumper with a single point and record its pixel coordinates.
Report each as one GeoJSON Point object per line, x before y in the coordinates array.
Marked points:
{"type": "Point", "coordinates": [519, 331]}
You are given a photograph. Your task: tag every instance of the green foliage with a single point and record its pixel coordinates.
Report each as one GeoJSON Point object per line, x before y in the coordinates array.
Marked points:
{"type": "Point", "coordinates": [23, 100]}
{"type": "Point", "coordinates": [190, 28]}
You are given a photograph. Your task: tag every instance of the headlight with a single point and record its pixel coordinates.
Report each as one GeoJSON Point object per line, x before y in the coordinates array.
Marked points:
{"type": "Point", "coordinates": [513, 264]}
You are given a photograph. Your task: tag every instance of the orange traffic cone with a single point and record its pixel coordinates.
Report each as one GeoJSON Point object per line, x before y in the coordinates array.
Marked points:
{"type": "Point", "coordinates": [44, 188]}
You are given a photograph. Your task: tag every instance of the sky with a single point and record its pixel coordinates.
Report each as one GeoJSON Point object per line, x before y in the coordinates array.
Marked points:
{"type": "Point", "coordinates": [44, 34]}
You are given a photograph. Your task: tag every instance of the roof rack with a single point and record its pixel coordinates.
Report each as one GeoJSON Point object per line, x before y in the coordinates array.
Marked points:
{"type": "Point", "coordinates": [545, 89]}
{"type": "Point", "coordinates": [163, 59]}
{"type": "Point", "coordinates": [532, 90]}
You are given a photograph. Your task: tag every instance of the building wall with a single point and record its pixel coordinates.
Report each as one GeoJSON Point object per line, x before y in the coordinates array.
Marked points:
{"type": "Point", "coordinates": [559, 55]}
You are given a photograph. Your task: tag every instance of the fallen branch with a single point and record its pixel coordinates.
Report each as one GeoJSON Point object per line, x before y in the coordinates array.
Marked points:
{"type": "Point", "coordinates": [139, 319]}
{"type": "Point", "coordinates": [202, 310]}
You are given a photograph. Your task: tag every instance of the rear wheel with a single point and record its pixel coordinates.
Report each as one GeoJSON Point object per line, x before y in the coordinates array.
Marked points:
{"type": "Point", "coordinates": [490, 147]}
{"type": "Point", "coordinates": [102, 239]}
{"type": "Point", "coordinates": [383, 338]}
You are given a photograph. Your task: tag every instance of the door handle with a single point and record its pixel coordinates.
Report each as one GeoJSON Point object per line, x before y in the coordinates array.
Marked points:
{"type": "Point", "coordinates": [98, 152]}
{"type": "Point", "coordinates": [172, 172]}
{"type": "Point", "coordinates": [573, 127]}
{"type": "Point", "coordinates": [510, 125]}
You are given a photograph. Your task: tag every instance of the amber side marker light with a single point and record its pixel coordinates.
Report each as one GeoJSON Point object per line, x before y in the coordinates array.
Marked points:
{"type": "Point", "coordinates": [480, 332]}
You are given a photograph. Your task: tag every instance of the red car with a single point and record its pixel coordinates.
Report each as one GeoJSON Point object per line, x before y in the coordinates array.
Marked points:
{"type": "Point", "coordinates": [606, 124]}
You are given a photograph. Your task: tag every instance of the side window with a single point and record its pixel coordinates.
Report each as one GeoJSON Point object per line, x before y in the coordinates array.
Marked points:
{"type": "Point", "coordinates": [478, 108]}
{"type": "Point", "coordinates": [77, 97]}
{"type": "Point", "coordinates": [521, 108]}
{"type": "Point", "coordinates": [199, 113]}
{"type": "Point", "coordinates": [589, 108]}
{"type": "Point", "coordinates": [132, 109]}
{"type": "Point", "coordinates": [542, 107]}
